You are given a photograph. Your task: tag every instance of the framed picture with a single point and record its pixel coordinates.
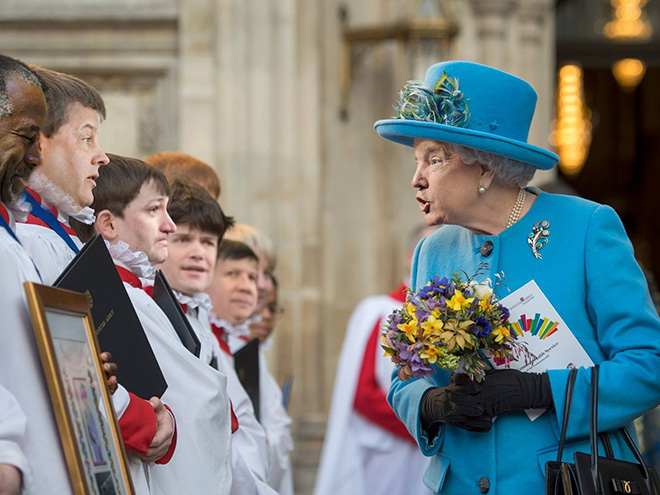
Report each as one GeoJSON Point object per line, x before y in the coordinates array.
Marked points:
{"type": "Point", "coordinates": [69, 351]}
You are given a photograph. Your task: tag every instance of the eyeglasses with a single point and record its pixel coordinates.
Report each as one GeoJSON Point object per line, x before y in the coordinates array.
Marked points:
{"type": "Point", "coordinates": [275, 309]}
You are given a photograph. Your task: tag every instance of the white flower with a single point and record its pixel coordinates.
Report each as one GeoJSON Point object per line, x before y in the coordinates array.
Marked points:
{"type": "Point", "coordinates": [481, 290]}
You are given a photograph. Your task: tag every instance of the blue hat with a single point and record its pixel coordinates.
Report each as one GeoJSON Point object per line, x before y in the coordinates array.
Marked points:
{"type": "Point", "coordinates": [471, 105]}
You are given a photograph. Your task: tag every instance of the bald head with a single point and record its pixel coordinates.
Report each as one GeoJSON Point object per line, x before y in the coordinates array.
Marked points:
{"type": "Point", "coordinates": [13, 70]}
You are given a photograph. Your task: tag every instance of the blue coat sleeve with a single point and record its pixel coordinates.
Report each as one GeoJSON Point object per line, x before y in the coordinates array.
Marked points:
{"type": "Point", "coordinates": [405, 397]}
{"type": "Point", "coordinates": [627, 330]}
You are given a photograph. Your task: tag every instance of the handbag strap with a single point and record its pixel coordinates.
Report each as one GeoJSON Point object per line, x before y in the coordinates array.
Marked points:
{"type": "Point", "coordinates": [593, 439]}
{"type": "Point", "coordinates": [593, 431]}
{"type": "Point", "coordinates": [572, 375]}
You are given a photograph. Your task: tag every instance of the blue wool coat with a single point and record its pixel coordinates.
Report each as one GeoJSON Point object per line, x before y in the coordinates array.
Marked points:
{"type": "Point", "coordinates": [589, 274]}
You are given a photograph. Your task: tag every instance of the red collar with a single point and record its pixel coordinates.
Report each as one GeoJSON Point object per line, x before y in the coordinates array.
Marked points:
{"type": "Point", "coordinates": [220, 334]}
{"type": "Point", "coordinates": [4, 213]}
{"type": "Point", "coordinates": [399, 294]}
{"type": "Point", "coordinates": [129, 277]}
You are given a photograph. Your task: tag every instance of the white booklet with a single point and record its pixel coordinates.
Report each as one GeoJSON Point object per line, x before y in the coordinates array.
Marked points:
{"type": "Point", "coordinates": [535, 323]}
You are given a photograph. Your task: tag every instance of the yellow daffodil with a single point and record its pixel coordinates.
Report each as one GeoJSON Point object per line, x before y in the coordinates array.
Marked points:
{"type": "Point", "coordinates": [433, 324]}
{"type": "Point", "coordinates": [457, 334]}
{"type": "Point", "coordinates": [410, 329]}
{"type": "Point", "coordinates": [500, 333]}
{"type": "Point", "coordinates": [485, 305]}
{"type": "Point", "coordinates": [458, 302]}
{"type": "Point", "coordinates": [430, 354]}
{"type": "Point", "coordinates": [410, 309]}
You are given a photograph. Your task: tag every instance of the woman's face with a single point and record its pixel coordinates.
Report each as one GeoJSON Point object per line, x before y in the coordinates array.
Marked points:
{"type": "Point", "coordinates": [447, 187]}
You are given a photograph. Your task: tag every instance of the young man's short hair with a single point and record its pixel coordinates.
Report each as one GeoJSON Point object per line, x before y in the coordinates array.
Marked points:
{"type": "Point", "coordinates": [175, 164]}
{"type": "Point", "coordinates": [192, 205]}
{"type": "Point", "coordinates": [118, 184]}
{"type": "Point", "coordinates": [234, 250]}
{"type": "Point", "coordinates": [62, 91]}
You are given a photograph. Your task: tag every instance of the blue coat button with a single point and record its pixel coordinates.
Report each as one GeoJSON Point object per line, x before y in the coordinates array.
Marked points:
{"type": "Point", "coordinates": [484, 484]}
{"type": "Point", "coordinates": [486, 248]}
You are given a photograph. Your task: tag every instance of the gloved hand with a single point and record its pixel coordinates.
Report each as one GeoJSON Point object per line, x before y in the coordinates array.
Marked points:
{"type": "Point", "coordinates": [457, 406]}
{"type": "Point", "coordinates": [508, 390]}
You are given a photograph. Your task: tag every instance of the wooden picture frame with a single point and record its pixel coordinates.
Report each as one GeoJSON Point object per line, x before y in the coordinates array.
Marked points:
{"type": "Point", "coordinates": [86, 420]}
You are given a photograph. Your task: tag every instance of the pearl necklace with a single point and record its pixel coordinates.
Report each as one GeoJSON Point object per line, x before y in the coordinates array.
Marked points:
{"type": "Point", "coordinates": [517, 208]}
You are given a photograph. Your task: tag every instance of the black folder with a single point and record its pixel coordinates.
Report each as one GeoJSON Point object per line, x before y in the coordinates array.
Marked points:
{"type": "Point", "coordinates": [167, 301]}
{"type": "Point", "coordinates": [246, 363]}
{"type": "Point", "coordinates": [118, 328]}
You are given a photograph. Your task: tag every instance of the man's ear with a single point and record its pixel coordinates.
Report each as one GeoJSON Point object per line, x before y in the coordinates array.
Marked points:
{"type": "Point", "coordinates": [106, 225]}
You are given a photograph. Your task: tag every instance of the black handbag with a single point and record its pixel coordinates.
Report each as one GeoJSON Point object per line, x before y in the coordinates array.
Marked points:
{"type": "Point", "coordinates": [591, 474]}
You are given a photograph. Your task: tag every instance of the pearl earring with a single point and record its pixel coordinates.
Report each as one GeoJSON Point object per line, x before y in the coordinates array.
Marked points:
{"type": "Point", "coordinates": [481, 189]}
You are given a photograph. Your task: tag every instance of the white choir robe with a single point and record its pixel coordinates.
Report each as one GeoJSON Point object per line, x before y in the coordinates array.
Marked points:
{"type": "Point", "coordinates": [22, 376]}
{"type": "Point", "coordinates": [275, 421]}
{"type": "Point", "coordinates": [198, 396]}
{"type": "Point", "coordinates": [359, 457]}
{"type": "Point", "coordinates": [249, 445]}
{"type": "Point", "coordinates": [51, 254]}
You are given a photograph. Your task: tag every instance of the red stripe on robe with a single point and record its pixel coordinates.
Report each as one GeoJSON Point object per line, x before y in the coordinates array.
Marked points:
{"type": "Point", "coordinates": [370, 400]}
{"type": "Point", "coordinates": [219, 333]}
{"type": "Point", "coordinates": [4, 213]}
{"type": "Point", "coordinates": [33, 220]}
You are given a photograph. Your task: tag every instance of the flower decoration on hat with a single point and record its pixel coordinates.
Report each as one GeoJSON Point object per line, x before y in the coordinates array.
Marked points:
{"type": "Point", "coordinates": [444, 104]}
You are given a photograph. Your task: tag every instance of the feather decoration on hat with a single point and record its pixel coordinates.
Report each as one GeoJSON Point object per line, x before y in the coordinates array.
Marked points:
{"type": "Point", "coordinates": [444, 104]}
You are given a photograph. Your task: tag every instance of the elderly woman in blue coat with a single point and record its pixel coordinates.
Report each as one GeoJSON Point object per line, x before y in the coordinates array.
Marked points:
{"type": "Point", "coordinates": [468, 125]}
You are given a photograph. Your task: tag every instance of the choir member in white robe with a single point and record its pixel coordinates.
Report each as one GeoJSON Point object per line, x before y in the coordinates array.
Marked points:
{"type": "Point", "coordinates": [189, 269]}
{"type": "Point", "coordinates": [231, 288]}
{"type": "Point", "coordinates": [137, 228]}
{"type": "Point", "coordinates": [29, 440]}
{"type": "Point", "coordinates": [61, 190]}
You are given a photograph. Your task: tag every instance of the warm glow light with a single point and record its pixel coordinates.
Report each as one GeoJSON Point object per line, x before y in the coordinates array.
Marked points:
{"type": "Point", "coordinates": [627, 23]}
{"type": "Point", "coordinates": [628, 73]}
{"type": "Point", "coordinates": [571, 130]}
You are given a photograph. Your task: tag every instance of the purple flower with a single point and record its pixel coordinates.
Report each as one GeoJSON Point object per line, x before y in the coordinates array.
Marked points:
{"type": "Point", "coordinates": [481, 327]}
{"type": "Point", "coordinates": [505, 313]}
{"type": "Point", "coordinates": [434, 303]}
{"type": "Point", "coordinates": [404, 351]}
{"type": "Point", "coordinates": [422, 314]}
{"type": "Point", "coordinates": [426, 292]}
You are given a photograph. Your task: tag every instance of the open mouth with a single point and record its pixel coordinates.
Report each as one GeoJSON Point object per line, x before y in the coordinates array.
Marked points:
{"type": "Point", "coordinates": [423, 205]}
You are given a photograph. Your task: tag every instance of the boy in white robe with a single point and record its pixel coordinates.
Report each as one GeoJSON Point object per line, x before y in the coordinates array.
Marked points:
{"type": "Point", "coordinates": [130, 204]}
{"type": "Point", "coordinates": [189, 269]}
{"type": "Point", "coordinates": [61, 190]}
{"type": "Point", "coordinates": [231, 287]}
{"type": "Point", "coordinates": [273, 415]}
{"type": "Point", "coordinates": [31, 457]}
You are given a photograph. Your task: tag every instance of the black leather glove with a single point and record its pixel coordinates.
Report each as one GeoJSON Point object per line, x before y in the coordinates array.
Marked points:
{"type": "Point", "coordinates": [508, 390]}
{"type": "Point", "coordinates": [458, 407]}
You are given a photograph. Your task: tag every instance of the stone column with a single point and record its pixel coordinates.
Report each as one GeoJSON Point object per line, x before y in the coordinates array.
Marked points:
{"type": "Point", "coordinates": [197, 120]}
{"type": "Point", "coordinates": [493, 21]}
{"type": "Point", "coordinates": [535, 62]}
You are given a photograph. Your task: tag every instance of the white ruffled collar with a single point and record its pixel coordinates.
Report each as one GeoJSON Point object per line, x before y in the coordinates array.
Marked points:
{"type": "Point", "coordinates": [237, 330]}
{"type": "Point", "coordinates": [135, 261]}
{"type": "Point", "coordinates": [53, 195]}
{"type": "Point", "coordinates": [196, 300]}
{"type": "Point", "coordinates": [18, 211]}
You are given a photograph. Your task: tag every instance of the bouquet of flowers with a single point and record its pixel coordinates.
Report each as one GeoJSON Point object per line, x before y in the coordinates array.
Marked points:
{"type": "Point", "coordinates": [451, 323]}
